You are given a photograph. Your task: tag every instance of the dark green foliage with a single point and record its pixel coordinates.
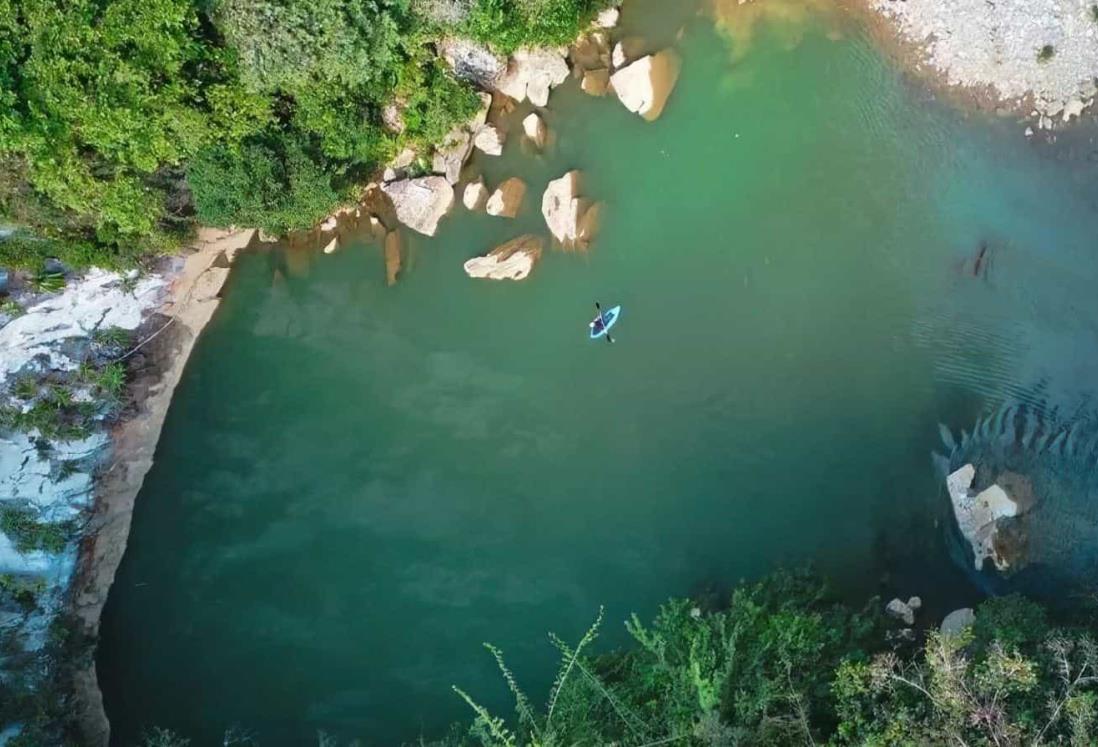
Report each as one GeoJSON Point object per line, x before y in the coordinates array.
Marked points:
{"type": "Point", "coordinates": [29, 534]}
{"type": "Point", "coordinates": [277, 185]}
{"type": "Point", "coordinates": [47, 282]}
{"type": "Point", "coordinates": [510, 24]}
{"type": "Point", "coordinates": [25, 590]}
{"type": "Point", "coordinates": [1046, 53]}
{"type": "Point", "coordinates": [111, 337]}
{"type": "Point", "coordinates": [1094, 13]}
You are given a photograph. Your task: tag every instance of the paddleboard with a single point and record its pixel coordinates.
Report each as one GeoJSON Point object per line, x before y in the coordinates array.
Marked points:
{"type": "Point", "coordinates": [610, 318]}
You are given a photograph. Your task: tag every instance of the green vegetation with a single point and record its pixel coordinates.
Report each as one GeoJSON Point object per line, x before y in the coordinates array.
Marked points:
{"type": "Point", "coordinates": [48, 282]}
{"type": "Point", "coordinates": [1094, 13]}
{"type": "Point", "coordinates": [122, 122]}
{"type": "Point", "coordinates": [29, 534]}
{"type": "Point", "coordinates": [56, 415]}
{"type": "Point", "coordinates": [785, 664]}
{"type": "Point", "coordinates": [1046, 53]}
{"type": "Point", "coordinates": [10, 308]}
{"type": "Point", "coordinates": [509, 24]}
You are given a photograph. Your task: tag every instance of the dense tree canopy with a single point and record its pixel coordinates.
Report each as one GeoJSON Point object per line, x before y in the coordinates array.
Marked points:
{"type": "Point", "coordinates": [123, 120]}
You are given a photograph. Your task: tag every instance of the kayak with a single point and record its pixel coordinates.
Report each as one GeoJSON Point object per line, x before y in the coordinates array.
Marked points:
{"type": "Point", "coordinates": [610, 318]}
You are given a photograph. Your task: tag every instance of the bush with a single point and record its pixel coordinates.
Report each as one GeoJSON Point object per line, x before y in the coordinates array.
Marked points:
{"type": "Point", "coordinates": [30, 535]}
{"type": "Point", "coordinates": [1046, 53]}
{"type": "Point", "coordinates": [509, 24]}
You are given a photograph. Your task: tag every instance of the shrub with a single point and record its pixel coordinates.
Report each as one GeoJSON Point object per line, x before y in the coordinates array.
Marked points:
{"type": "Point", "coordinates": [30, 535]}
{"type": "Point", "coordinates": [509, 24]}
{"type": "Point", "coordinates": [1046, 53]}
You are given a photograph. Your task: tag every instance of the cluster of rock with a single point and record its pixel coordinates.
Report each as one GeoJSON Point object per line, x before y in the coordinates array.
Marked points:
{"type": "Point", "coordinates": [642, 82]}
{"type": "Point", "coordinates": [513, 260]}
{"type": "Point", "coordinates": [1044, 49]}
{"type": "Point", "coordinates": [987, 518]}
{"type": "Point", "coordinates": [955, 623]}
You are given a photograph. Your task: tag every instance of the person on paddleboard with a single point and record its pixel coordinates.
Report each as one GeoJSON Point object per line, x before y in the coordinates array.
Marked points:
{"type": "Point", "coordinates": [599, 323]}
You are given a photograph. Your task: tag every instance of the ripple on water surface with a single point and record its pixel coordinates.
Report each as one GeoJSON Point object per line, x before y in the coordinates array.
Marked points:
{"type": "Point", "coordinates": [357, 485]}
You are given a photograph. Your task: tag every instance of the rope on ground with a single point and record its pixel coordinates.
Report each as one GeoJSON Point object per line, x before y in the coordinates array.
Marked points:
{"type": "Point", "coordinates": [143, 342]}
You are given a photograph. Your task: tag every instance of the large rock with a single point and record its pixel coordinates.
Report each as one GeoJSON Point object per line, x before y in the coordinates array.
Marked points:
{"type": "Point", "coordinates": [392, 257]}
{"type": "Point", "coordinates": [511, 261]}
{"type": "Point", "coordinates": [450, 156]}
{"type": "Point", "coordinates": [645, 85]}
{"type": "Point", "coordinates": [532, 73]}
{"type": "Point", "coordinates": [397, 168]}
{"type": "Point", "coordinates": [475, 195]}
{"type": "Point", "coordinates": [570, 217]}
{"type": "Point", "coordinates": [534, 127]}
{"type": "Point", "coordinates": [489, 140]}
{"type": "Point", "coordinates": [392, 116]}
{"type": "Point", "coordinates": [904, 611]}
{"type": "Point", "coordinates": [471, 61]}
{"type": "Point", "coordinates": [421, 203]}
{"type": "Point", "coordinates": [957, 621]}
{"type": "Point", "coordinates": [507, 199]}
{"type": "Point", "coordinates": [981, 516]}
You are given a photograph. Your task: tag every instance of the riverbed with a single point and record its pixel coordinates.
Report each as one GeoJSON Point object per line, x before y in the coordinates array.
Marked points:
{"type": "Point", "coordinates": [818, 263]}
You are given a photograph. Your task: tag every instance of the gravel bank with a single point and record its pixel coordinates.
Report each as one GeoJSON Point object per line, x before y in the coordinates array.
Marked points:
{"type": "Point", "coordinates": [1044, 51]}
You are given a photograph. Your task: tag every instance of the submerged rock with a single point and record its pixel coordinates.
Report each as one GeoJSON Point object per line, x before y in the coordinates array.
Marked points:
{"type": "Point", "coordinates": [534, 128]}
{"type": "Point", "coordinates": [532, 73]}
{"type": "Point", "coordinates": [571, 219]}
{"type": "Point", "coordinates": [475, 195]}
{"type": "Point", "coordinates": [645, 85]}
{"type": "Point", "coordinates": [590, 51]}
{"type": "Point", "coordinates": [982, 516]}
{"type": "Point", "coordinates": [511, 261]}
{"type": "Point", "coordinates": [596, 82]}
{"type": "Point", "coordinates": [421, 203]}
{"type": "Point", "coordinates": [392, 257]}
{"type": "Point", "coordinates": [507, 199]}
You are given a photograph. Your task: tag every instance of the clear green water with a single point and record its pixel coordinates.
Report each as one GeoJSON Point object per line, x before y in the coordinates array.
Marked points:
{"type": "Point", "coordinates": [357, 485]}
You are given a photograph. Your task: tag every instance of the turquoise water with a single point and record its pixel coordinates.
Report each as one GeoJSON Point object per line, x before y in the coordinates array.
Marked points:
{"type": "Point", "coordinates": [357, 484]}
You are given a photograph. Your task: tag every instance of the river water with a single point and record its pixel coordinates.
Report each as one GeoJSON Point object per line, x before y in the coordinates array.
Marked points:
{"type": "Point", "coordinates": [358, 484]}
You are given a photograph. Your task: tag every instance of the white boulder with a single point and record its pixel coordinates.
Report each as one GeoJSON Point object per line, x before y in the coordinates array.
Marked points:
{"type": "Point", "coordinates": [420, 203]}
{"type": "Point", "coordinates": [507, 199]}
{"type": "Point", "coordinates": [617, 57]}
{"type": "Point", "coordinates": [532, 73]}
{"type": "Point", "coordinates": [1073, 108]}
{"type": "Point", "coordinates": [450, 156]}
{"type": "Point", "coordinates": [511, 261]}
{"type": "Point", "coordinates": [332, 245]}
{"type": "Point", "coordinates": [645, 85]}
{"type": "Point", "coordinates": [904, 611]}
{"type": "Point", "coordinates": [489, 140]}
{"type": "Point", "coordinates": [534, 128]}
{"type": "Point", "coordinates": [475, 195]}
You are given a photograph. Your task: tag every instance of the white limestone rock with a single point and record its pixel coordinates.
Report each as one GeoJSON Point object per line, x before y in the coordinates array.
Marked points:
{"type": "Point", "coordinates": [514, 260]}
{"type": "Point", "coordinates": [645, 85]}
{"type": "Point", "coordinates": [903, 611]}
{"type": "Point", "coordinates": [489, 140]}
{"type": "Point", "coordinates": [532, 73]}
{"type": "Point", "coordinates": [507, 199]}
{"type": "Point", "coordinates": [450, 156]}
{"type": "Point", "coordinates": [332, 246]}
{"type": "Point", "coordinates": [421, 203]}
{"type": "Point", "coordinates": [978, 515]}
{"type": "Point", "coordinates": [534, 128]}
{"type": "Point", "coordinates": [471, 61]}
{"type": "Point", "coordinates": [608, 19]}
{"type": "Point", "coordinates": [475, 195]}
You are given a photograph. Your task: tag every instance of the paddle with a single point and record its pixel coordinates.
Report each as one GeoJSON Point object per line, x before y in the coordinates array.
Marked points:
{"type": "Point", "coordinates": [603, 320]}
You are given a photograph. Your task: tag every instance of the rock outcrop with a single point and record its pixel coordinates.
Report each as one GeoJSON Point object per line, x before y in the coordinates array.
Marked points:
{"type": "Point", "coordinates": [904, 611]}
{"type": "Point", "coordinates": [536, 131]}
{"type": "Point", "coordinates": [397, 168]}
{"type": "Point", "coordinates": [450, 156]}
{"type": "Point", "coordinates": [957, 621]}
{"type": "Point", "coordinates": [507, 199]}
{"type": "Point", "coordinates": [532, 73]}
{"type": "Point", "coordinates": [983, 516]}
{"type": "Point", "coordinates": [571, 219]}
{"type": "Point", "coordinates": [420, 203]}
{"type": "Point", "coordinates": [475, 195]}
{"type": "Point", "coordinates": [645, 85]}
{"type": "Point", "coordinates": [608, 18]}
{"type": "Point", "coordinates": [511, 261]}
{"type": "Point", "coordinates": [471, 61]}
{"type": "Point", "coordinates": [489, 140]}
